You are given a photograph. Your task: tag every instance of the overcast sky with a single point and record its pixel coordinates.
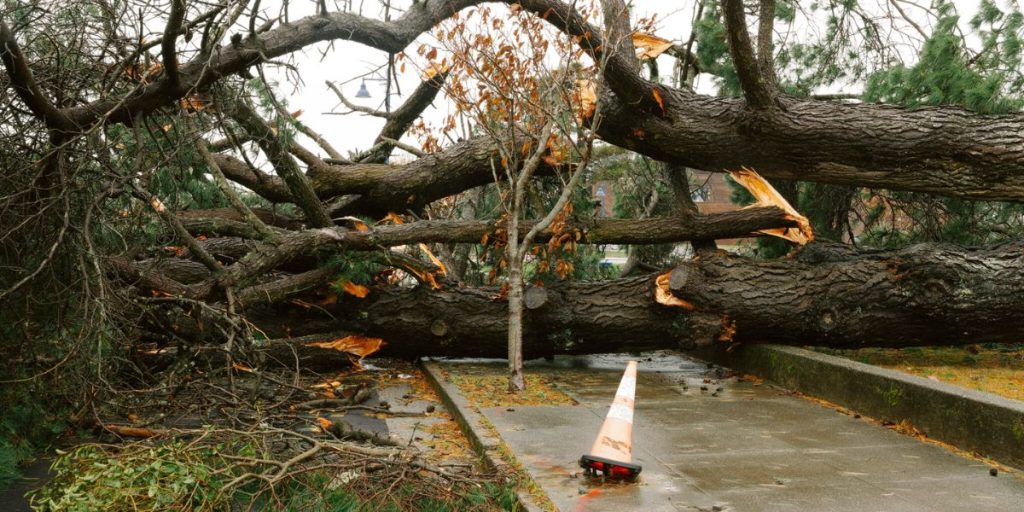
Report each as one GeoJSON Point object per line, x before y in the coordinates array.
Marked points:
{"type": "Point", "coordinates": [343, 61]}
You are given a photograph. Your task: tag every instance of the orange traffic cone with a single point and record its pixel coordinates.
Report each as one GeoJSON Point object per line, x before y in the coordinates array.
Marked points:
{"type": "Point", "coordinates": [612, 453]}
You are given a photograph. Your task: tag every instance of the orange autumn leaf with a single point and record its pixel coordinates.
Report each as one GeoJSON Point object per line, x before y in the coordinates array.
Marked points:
{"type": "Point", "coordinates": [139, 432]}
{"type": "Point", "coordinates": [242, 368]}
{"type": "Point", "coordinates": [360, 346]}
{"type": "Point", "coordinates": [324, 423]}
{"type": "Point", "coordinates": [766, 195]}
{"type": "Point", "coordinates": [393, 217]}
{"type": "Point", "coordinates": [649, 46]}
{"type": "Point", "coordinates": [662, 294]}
{"type": "Point", "coordinates": [657, 97]}
{"type": "Point", "coordinates": [193, 103]}
{"type": "Point", "coordinates": [328, 300]}
{"type": "Point", "coordinates": [356, 290]}
{"type": "Point", "coordinates": [440, 266]}
{"type": "Point", "coordinates": [426, 277]}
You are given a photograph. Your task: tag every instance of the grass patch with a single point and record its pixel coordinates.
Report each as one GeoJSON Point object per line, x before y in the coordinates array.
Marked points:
{"type": "Point", "coordinates": [491, 390]}
{"type": "Point", "coordinates": [994, 368]}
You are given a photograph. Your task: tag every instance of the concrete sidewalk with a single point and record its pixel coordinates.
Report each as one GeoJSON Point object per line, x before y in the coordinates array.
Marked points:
{"type": "Point", "coordinates": [744, 448]}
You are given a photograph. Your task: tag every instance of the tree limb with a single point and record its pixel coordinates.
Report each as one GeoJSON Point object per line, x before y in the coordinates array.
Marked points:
{"type": "Point", "coordinates": [754, 82]}
{"type": "Point", "coordinates": [298, 184]}
{"type": "Point", "coordinates": [25, 84]}
{"type": "Point", "coordinates": [167, 46]}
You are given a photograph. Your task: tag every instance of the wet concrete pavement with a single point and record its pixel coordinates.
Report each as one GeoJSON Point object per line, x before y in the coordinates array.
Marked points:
{"type": "Point", "coordinates": [750, 447]}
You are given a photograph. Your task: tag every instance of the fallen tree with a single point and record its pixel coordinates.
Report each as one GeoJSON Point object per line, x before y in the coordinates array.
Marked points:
{"type": "Point", "coordinates": [825, 294]}
{"type": "Point", "coordinates": [104, 163]}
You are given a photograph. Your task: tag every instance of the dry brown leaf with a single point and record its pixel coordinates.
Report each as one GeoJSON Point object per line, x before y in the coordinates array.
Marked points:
{"type": "Point", "coordinates": [586, 96]}
{"type": "Point", "coordinates": [662, 294]}
{"type": "Point", "coordinates": [728, 329]}
{"type": "Point", "coordinates": [434, 69]}
{"type": "Point", "coordinates": [327, 385]}
{"type": "Point", "coordinates": [766, 195]}
{"type": "Point", "coordinates": [360, 346]}
{"type": "Point", "coordinates": [649, 46]}
{"type": "Point", "coordinates": [140, 432]}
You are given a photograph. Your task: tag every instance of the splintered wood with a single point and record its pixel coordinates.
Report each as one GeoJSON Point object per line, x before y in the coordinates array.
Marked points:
{"type": "Point", "coordinates": [766, 195]}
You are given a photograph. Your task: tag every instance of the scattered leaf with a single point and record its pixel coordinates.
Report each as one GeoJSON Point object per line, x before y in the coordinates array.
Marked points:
{"type": "Point", "coordinates": [139, 432]}
{"type": "Point", "coordinates": [356, 290]}
{"type": "Point", "coordinates": [324, 423]}
{"type": "Point", "coordinates": [360, 346]}
{"type": "Point", "coordinates": [242, 368]}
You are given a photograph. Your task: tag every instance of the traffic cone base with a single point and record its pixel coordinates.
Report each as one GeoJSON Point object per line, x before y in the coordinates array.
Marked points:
{"type": "Point", "coordinates": [612, 453]}
{"type": "Point", "coordinates": [609, 468]}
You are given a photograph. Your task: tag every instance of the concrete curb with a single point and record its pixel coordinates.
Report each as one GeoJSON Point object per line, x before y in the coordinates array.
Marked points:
{"type": "Point", "coordinates": [473, 424]}
{"type": "Point", "coordinates": [972, 420]}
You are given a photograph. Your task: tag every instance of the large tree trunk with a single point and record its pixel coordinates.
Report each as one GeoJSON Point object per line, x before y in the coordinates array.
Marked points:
{"type": "Point", "coordinates": [826, 295]}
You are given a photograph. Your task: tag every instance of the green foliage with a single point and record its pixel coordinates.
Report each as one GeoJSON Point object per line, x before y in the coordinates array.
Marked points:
{"type": "Point", "coordinates": [96, 477]}
{"type": "Point", "coordinates": [713, 50]}
{"type": "Point", "coordinates": [944, 76]}
{"type": "Point", "coordinates": [178, 475]}
{"type": "Point", "coordinates": [989, 82]}
{"type": "Point", "coordinates": [29, 423]}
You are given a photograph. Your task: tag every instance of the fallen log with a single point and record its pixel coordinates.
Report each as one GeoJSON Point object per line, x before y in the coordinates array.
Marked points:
{"type": "Point", "coordinates": [922, 295]}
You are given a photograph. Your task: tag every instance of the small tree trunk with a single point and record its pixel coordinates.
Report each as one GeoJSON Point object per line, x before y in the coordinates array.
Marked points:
{"type": "Point", "coordinates": [516, 382]}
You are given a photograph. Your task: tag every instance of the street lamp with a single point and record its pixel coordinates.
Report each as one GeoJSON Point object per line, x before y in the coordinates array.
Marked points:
{"type": "Point", "coordinates": [363, 92]}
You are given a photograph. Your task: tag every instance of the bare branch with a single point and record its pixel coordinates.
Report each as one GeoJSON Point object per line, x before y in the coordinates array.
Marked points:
{"type": "Point", "coordinates": [765, 46]}
{"type": "Point", "coordinates": [356, 108]}
{"type": "Point", "coordinates": [756, 88]}
{"type": "Point", "coordinates": [167, 47]}
{"type": "Point", "coordinates": [229, 192]}
{"type": "Point", "coordinates": [298, 184]}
